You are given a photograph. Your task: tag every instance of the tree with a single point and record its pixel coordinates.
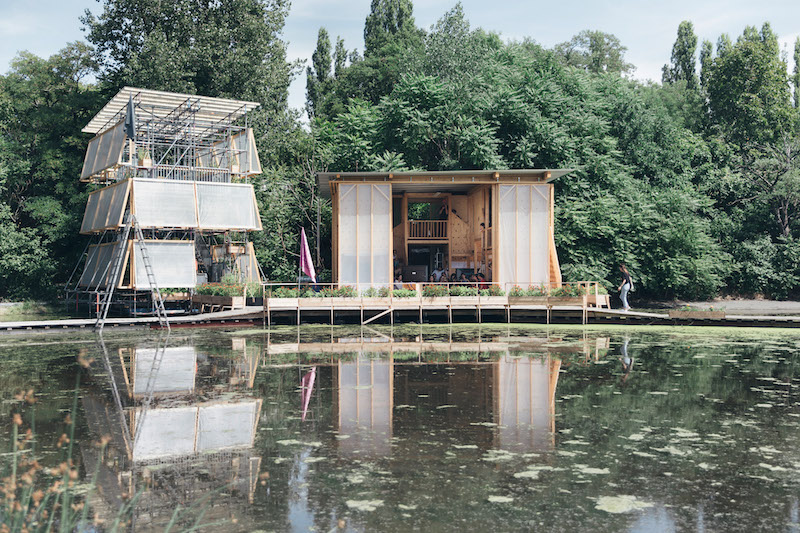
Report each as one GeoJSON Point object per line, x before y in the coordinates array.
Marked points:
{"type": "Point", "coordinates": [390, 21]}
{"type": "Point", "coordinates": [683, 64]}
{"type": "Point", "coordinates": [774, 171]}
{"type": "Point", "coordinates": [44, 103]}
{"type": "Point", "coordinates": [595, 52]}
{"type": "Point", "coordinates": [339, 58]}
{"type": "Point", "coordinates": [796, 75]}
{"type": "Point", "coordinates": [706, 53]}
{"type": "Point", "coordinates": [228, 48]}
{"type": "Point", "coordinates": [748, 89]}
{"type": "Point", "coordinates": [317, 77]}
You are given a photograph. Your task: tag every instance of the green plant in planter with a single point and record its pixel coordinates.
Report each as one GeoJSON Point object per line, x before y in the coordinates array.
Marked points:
{"type": "Point", "coordinates": [536, 290]}
{"type": "Point", "coordinates": [347, 292]}
{"type": "Point", "coordinates": [493, 290]}
{"type": "Point", "coordinates": [462, 290]}
{"type": "Point", "coordinates": [284, 292]}
{"type": "Point", "coordinates": [404, 293]}
{"type": "Point", "coordinates": [517, 291]}
{"type": "Point", "coordinates": [434, 291]}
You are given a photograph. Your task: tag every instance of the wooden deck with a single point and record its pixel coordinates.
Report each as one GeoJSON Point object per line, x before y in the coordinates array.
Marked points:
{"type": "Point", "coordinates": [408, 311]}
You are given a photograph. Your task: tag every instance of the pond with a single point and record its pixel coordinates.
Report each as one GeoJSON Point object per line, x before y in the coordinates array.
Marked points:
{"type": "Point", "coordinates": [461, 428]}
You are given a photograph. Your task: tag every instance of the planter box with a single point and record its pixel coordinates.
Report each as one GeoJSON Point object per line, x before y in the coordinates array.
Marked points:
{"type": "Point", "coordinates": [697, 315]}
{"type": "Point", "coordinates": [434, 301]}
{"type": "Point", "coordinates": [176, 297]}
{"type": "Point", "coordinates": [527, 300]}
{"type": "Point", "coordinates": [376, 302]}
{"type": "Point", "coordinates": [315, 302]}
{"type": "Point", "coordinates": [344, 301]}
{"type": "Point", "coordinates": [234, 302]}
{"type": "Point", "coordinates": [469, 301]}
{"type": "Point", "coordinates": [601, 300]}
{"type": "Point", "coordinates": [282, 303]}
{"type": "Point", "coordinates": [493, 300]}
{"type": "Point", "coordinates": [564, 300]}
{"type": "Point", "coordinates": [258, 300]}
{"type": "Point", "coordinates": [413, 301]}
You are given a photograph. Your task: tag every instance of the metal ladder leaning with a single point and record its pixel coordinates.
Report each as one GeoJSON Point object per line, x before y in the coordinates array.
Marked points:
{"type": "Point", "coordinates": [116, 271]}
{"type": "Point", "coordinates": [161, 313]}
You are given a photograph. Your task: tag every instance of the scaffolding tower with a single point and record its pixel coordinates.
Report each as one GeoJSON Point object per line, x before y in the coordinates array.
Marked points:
{"type": "Point", "coordinates": [177, 167]}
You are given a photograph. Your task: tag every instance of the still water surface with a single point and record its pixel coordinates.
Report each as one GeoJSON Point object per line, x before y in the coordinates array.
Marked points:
{"type": "Point", "coordinates": [432, 429]}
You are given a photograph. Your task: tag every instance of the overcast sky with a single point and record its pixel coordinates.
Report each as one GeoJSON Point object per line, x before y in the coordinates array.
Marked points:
{"type": "Point", "coordinates": [647, 29]}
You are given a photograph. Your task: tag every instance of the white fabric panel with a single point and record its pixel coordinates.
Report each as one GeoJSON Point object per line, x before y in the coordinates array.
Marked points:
{"type": "Point", "coordinates": [91, 156]}
{"type": "Point", "coordinates": [165, 433]}
{"type": "Point", "coordinates": [525, 402]}
{"type": "Point", "coordinates": [364, 206]}
{"type": "Point", "coordinates": [176, 371]}
{"type": "Point", "coordinates": [347, 234]}
{"type": "Point", "coordinates": [227, 206]}
{"type": "Point", "coordinates": [241, 151]}
{"type": "Point", "coordinates": [98, 268]}
{"type": "Point", "coordinates": [104, 151]}
{"type": "Point", "coordinates": [226, 426]}
{"type": "Point", "coordinates": [90, 214]}
{"type": "Point", "coordinates": [524, 235]}
{"type": "Point", "coordinates": [364, 241]}
{"type": "Point", "coordinates": [381, 239]}
{"type": "Point", "coordinates": [508, 234]}
{"type": "Point", "coordinates": [164, 203]}
{"type": "Point", "coordinates": [365, 406]}
{"type": "Point", "coordinates": [105, 208]}
{"type": "Point", "coordinates": [173, 264]}
{"type": "Point", "coordinates": [540, 230]}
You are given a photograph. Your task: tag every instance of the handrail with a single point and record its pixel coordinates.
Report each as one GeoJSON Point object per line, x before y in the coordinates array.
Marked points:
{"type": "Point", "coordinates": [427, 229]}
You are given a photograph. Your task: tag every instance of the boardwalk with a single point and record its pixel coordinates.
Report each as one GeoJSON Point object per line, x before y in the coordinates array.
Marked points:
{"type": "Point", "coordinates": [462, 314]}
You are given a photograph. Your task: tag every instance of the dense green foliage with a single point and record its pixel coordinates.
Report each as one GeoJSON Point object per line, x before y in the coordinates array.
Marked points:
{"type": "Point", "coordinates": [692, 182]}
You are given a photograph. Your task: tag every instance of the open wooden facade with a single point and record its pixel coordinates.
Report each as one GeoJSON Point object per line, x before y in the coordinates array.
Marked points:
{"type": "Point", "coordinates": [499, 223]}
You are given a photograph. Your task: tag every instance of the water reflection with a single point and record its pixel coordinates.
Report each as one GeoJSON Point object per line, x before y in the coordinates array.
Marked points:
{"type": "Point", "coordinates": [437, 429]}
{"type": "Point", "coordinates": [173, 438]}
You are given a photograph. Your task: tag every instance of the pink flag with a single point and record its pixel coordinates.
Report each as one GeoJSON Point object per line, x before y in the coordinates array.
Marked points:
{"type": "Point", "coordinates": [305, 257]}
{"type": "Point", "coordinates": [307, 387]}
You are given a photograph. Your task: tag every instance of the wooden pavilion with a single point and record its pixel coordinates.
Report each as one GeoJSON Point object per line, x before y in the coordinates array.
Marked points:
{"type": "Point", "coordinates": [497, 222]}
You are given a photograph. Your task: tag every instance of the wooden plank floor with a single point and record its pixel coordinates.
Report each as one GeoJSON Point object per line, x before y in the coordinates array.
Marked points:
{"type": "Point", "coordinates": [570, 314]}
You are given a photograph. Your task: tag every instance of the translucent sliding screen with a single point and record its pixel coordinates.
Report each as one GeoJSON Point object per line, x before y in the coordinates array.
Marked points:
{"type": "Point", "coordinates": [524, 233]}
{"type": "Point", "coordinates": [366, 388]}
{"type": "Point", "coordinates": [97, 272]}
{"type": "Point", "coordinates": [105, 209]}
{"type": "Point", "coordinates": [164, 203]}
{"type": "Point", "coordinates": [173, 264]}
{"type": "Point", "coordinates": [188, 430]}
{"type": "Point", "coordinates": [170, 369]}
{"type": "Point", "coordinates": [364, 234]}
{"type": "Point", "coordinates": [526, 403]}
{"type": "Point", "coordinates": [227, 206]}
{"type": "Point", "coordinates": [104, 151]}
{"type": "Point", "coordinates": [227, 425]}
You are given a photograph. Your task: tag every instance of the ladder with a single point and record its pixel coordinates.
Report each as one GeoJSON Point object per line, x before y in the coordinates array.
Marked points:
{"type": "Point", "coordinates": [116, 271]}
{"type": "Point", "coordinates": [155, 293]}
{"type": "Point", "coordinates": [149, 393]}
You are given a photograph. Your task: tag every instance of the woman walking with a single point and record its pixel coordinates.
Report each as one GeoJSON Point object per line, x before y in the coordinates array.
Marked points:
{"type": "Point", "coordinates": [627, 285]}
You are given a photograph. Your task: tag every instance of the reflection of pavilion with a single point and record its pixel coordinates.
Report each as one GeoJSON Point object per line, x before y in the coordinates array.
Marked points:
{"type": "Point", "coordinates": [167, 445]}
{"type": "Point", "coordinates": [513, 395]}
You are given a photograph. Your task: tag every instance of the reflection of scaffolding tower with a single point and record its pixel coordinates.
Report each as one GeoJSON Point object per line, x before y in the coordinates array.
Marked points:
{"type": "Point", "coordinates": [179, 165]}
{"type": "Point", "coordinates": [165, 447]}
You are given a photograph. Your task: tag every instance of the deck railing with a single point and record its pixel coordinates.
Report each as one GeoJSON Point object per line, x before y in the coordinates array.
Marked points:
{"type": "Point", "coordinates": [427, 229]}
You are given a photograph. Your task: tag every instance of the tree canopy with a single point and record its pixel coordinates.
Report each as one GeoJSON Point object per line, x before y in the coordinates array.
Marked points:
{"type": "Point", "coordinates": [693, 182]}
